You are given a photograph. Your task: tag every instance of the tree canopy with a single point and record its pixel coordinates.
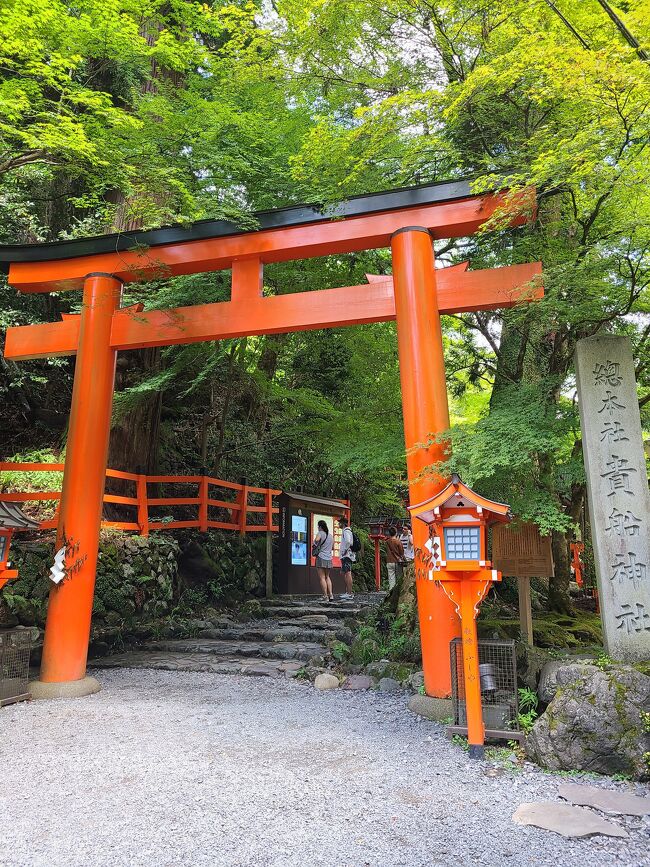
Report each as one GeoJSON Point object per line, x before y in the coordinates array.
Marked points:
{"type": "Point", "coordinates": [128, 113]}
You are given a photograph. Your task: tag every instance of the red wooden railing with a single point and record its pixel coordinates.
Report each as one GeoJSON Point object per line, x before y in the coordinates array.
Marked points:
{"type": "Point", "coordinates": [238, 508]}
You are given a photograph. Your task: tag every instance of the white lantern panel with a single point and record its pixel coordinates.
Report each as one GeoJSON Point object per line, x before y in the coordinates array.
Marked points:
{"type": "Point", "coordinates": [462, 543]}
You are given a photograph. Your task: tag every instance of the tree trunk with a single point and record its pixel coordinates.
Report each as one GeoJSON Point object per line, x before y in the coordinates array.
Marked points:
{"type": "Point", "coordinates": [135, 434]}
{"type": "Point", "coordinates": [227, 399]}
{"type": "Point", "coordinates": [558, 586]}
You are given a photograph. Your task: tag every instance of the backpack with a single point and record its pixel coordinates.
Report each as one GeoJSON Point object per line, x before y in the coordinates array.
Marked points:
{"type": "Point", "coordinates": [356, 542]}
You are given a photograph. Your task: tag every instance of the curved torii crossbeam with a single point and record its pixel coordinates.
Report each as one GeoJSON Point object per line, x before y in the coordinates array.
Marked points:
{"type": "Point", "coordinates": [415, 296]}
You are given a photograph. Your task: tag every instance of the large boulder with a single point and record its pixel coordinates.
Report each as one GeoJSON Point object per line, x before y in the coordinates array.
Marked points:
{"type": "Point", "coordinates": [594, 722]}
{"type": "Point", "coordinates": [548, 678]}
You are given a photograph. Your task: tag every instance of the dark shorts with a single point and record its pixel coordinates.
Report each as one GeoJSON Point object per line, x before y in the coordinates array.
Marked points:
{"type": "Point", "coordinates": [346, 564]}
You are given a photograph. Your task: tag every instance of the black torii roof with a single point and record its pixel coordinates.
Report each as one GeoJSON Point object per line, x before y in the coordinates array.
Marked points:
{"type": "Point", "coordinates": [294, 215]}
{"type": "Point", "coordinates": [12, 517]}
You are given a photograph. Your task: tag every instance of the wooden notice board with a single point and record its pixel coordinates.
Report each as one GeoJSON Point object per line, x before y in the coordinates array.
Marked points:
{"type": "Point", "coordinates": [519, 551]}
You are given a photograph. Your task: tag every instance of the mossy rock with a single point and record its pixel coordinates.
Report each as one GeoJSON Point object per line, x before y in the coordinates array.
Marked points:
{"type": "Point", "coordinates": [252, 610]}
{"type": "Point", "coordinates": [594, 722]}
{"type": "Point", "coordinates": [643, 667]}
{"type": "Point", "coordinates": [400, 671]}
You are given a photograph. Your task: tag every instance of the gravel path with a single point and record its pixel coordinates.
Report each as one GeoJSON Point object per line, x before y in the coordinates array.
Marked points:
{"type": "Point", "coordinates": [166, 768]}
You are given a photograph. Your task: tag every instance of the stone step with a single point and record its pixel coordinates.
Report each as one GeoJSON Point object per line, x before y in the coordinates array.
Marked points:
{"type": "Point", "coordinates": [360, 599]}
{"type": "Point", "coordinates": [313, 605]}
{"type": "Point", "coordinates": [260, 632]}
{"type": "Point", "coordinates": [201, 662]}
{"type": "Point", "coordinates": [266, 650]}
{"type": "Point", "coordinates": [334, 611]}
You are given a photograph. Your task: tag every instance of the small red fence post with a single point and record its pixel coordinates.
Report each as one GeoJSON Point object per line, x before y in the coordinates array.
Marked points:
{"type": "Point", "coordinates": [203, 501]}
{"type": "Point", "coordinates": [268, 502]}
{"type": "Point", "coordinates": [377, 564]}
{"type": "Point", "coordinates": [243, 506]}
{"type": "Point", "coordinates": [143, 505]}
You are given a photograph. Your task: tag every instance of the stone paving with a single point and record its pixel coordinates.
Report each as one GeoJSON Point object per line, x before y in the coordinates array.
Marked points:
{"type": "Point", "coordinates": [296, 632]}
{"type": "Point", "coordinates": [201, 662]}
{"type": "Point", "coordinates": [265, 649]}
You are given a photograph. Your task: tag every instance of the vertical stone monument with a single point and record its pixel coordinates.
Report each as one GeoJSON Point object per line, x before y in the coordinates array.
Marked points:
{"type": "Point", "coordinates": [617, 486]}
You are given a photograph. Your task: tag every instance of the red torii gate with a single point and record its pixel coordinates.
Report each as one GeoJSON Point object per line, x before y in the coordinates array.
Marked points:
{"type": "Point", "coordinates": [406, 220]}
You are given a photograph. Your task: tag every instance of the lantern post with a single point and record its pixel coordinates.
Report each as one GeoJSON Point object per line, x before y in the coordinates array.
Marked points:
{"type": "Point", "coordinates": [456, 560]}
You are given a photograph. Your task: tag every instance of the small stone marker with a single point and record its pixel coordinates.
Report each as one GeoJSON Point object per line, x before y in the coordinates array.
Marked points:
{"type": "Point", "coordinates": [606, 800]}
{"type": "Point", "coordinates": [617, 485]}
{"type": "Point", "coordinates": [565, 820]}
{"type": "Point", "coordinates": [326, 681]}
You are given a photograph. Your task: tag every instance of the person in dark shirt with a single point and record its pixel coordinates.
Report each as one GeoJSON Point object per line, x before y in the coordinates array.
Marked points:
{"type": "Point", "coordinates": [394, 556]}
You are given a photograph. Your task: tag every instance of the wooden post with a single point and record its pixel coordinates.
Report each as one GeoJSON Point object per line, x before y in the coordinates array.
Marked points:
{"type": "Point", "coordinates": [243, 506]}
{"type": "Point", "coordinates": [377, 565]}
{"type": "Point", "coordinates": [269, 565]}
{"type": "Point", "coordinates": [525, 610]}
{"type": "Point", "coordinates": [473, 706]}
{"type": "Point", "coordinates": [268, 502]}
{"type": "Point", "coordinates": [203, 502]}
{"type": "Point", "coordinates": [143, 504]}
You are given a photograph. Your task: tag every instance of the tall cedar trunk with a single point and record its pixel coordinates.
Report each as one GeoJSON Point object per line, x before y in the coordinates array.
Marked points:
{"type": "Point", "coordinates": [236, 346]}
{"type": "Point", "coordinates": [558, 596]}
{"type": "Point", "coordinates": [135, 434]}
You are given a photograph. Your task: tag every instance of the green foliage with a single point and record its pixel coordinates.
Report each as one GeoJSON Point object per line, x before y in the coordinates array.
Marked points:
{"type": "Point", "coordinates": [386, 636]}
{"type": "Point", "coordinates": [193, 599]}
{"type": "Point", "coordinates": [122, 113]}
{"type": "Point", "coordinates": [135, 580]}
{"type": "Point", "coordinates": [38, 480]}
{"type": "Point", "coordinates": [645, 721]}
{"type": "Point", "coordinates": [604, 662]}
{"type": "Point", "coordinates": [236, 570]}
{"type": "Point", "coordinates": [507, 758]}
{"type": "Point", "coordinates": [83, 88]}
{"type": "Point", "coordinates": [340, 651]}
{"type": "Point", "coordinates": [528, 702]}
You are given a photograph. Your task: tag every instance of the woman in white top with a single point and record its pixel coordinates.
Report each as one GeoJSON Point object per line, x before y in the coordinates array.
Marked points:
{"type": "Point", "coordinates": [323, 551]}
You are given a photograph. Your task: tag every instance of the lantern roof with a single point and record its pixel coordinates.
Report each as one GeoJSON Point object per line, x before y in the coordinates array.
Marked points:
{"type": "Point", "coordinates": [12, 517]}
{"type": "Point", "coordinates": [457, 495]}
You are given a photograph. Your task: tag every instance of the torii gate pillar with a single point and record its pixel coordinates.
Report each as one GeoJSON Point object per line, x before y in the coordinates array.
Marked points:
{"type": "Point", "coordinates": [69, 613]}
{"type": "Point", "coordinates": [426, 413]}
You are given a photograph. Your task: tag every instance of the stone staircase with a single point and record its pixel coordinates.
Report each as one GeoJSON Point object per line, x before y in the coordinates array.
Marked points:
{"type": "Point", "coordinates": [296, 631]}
